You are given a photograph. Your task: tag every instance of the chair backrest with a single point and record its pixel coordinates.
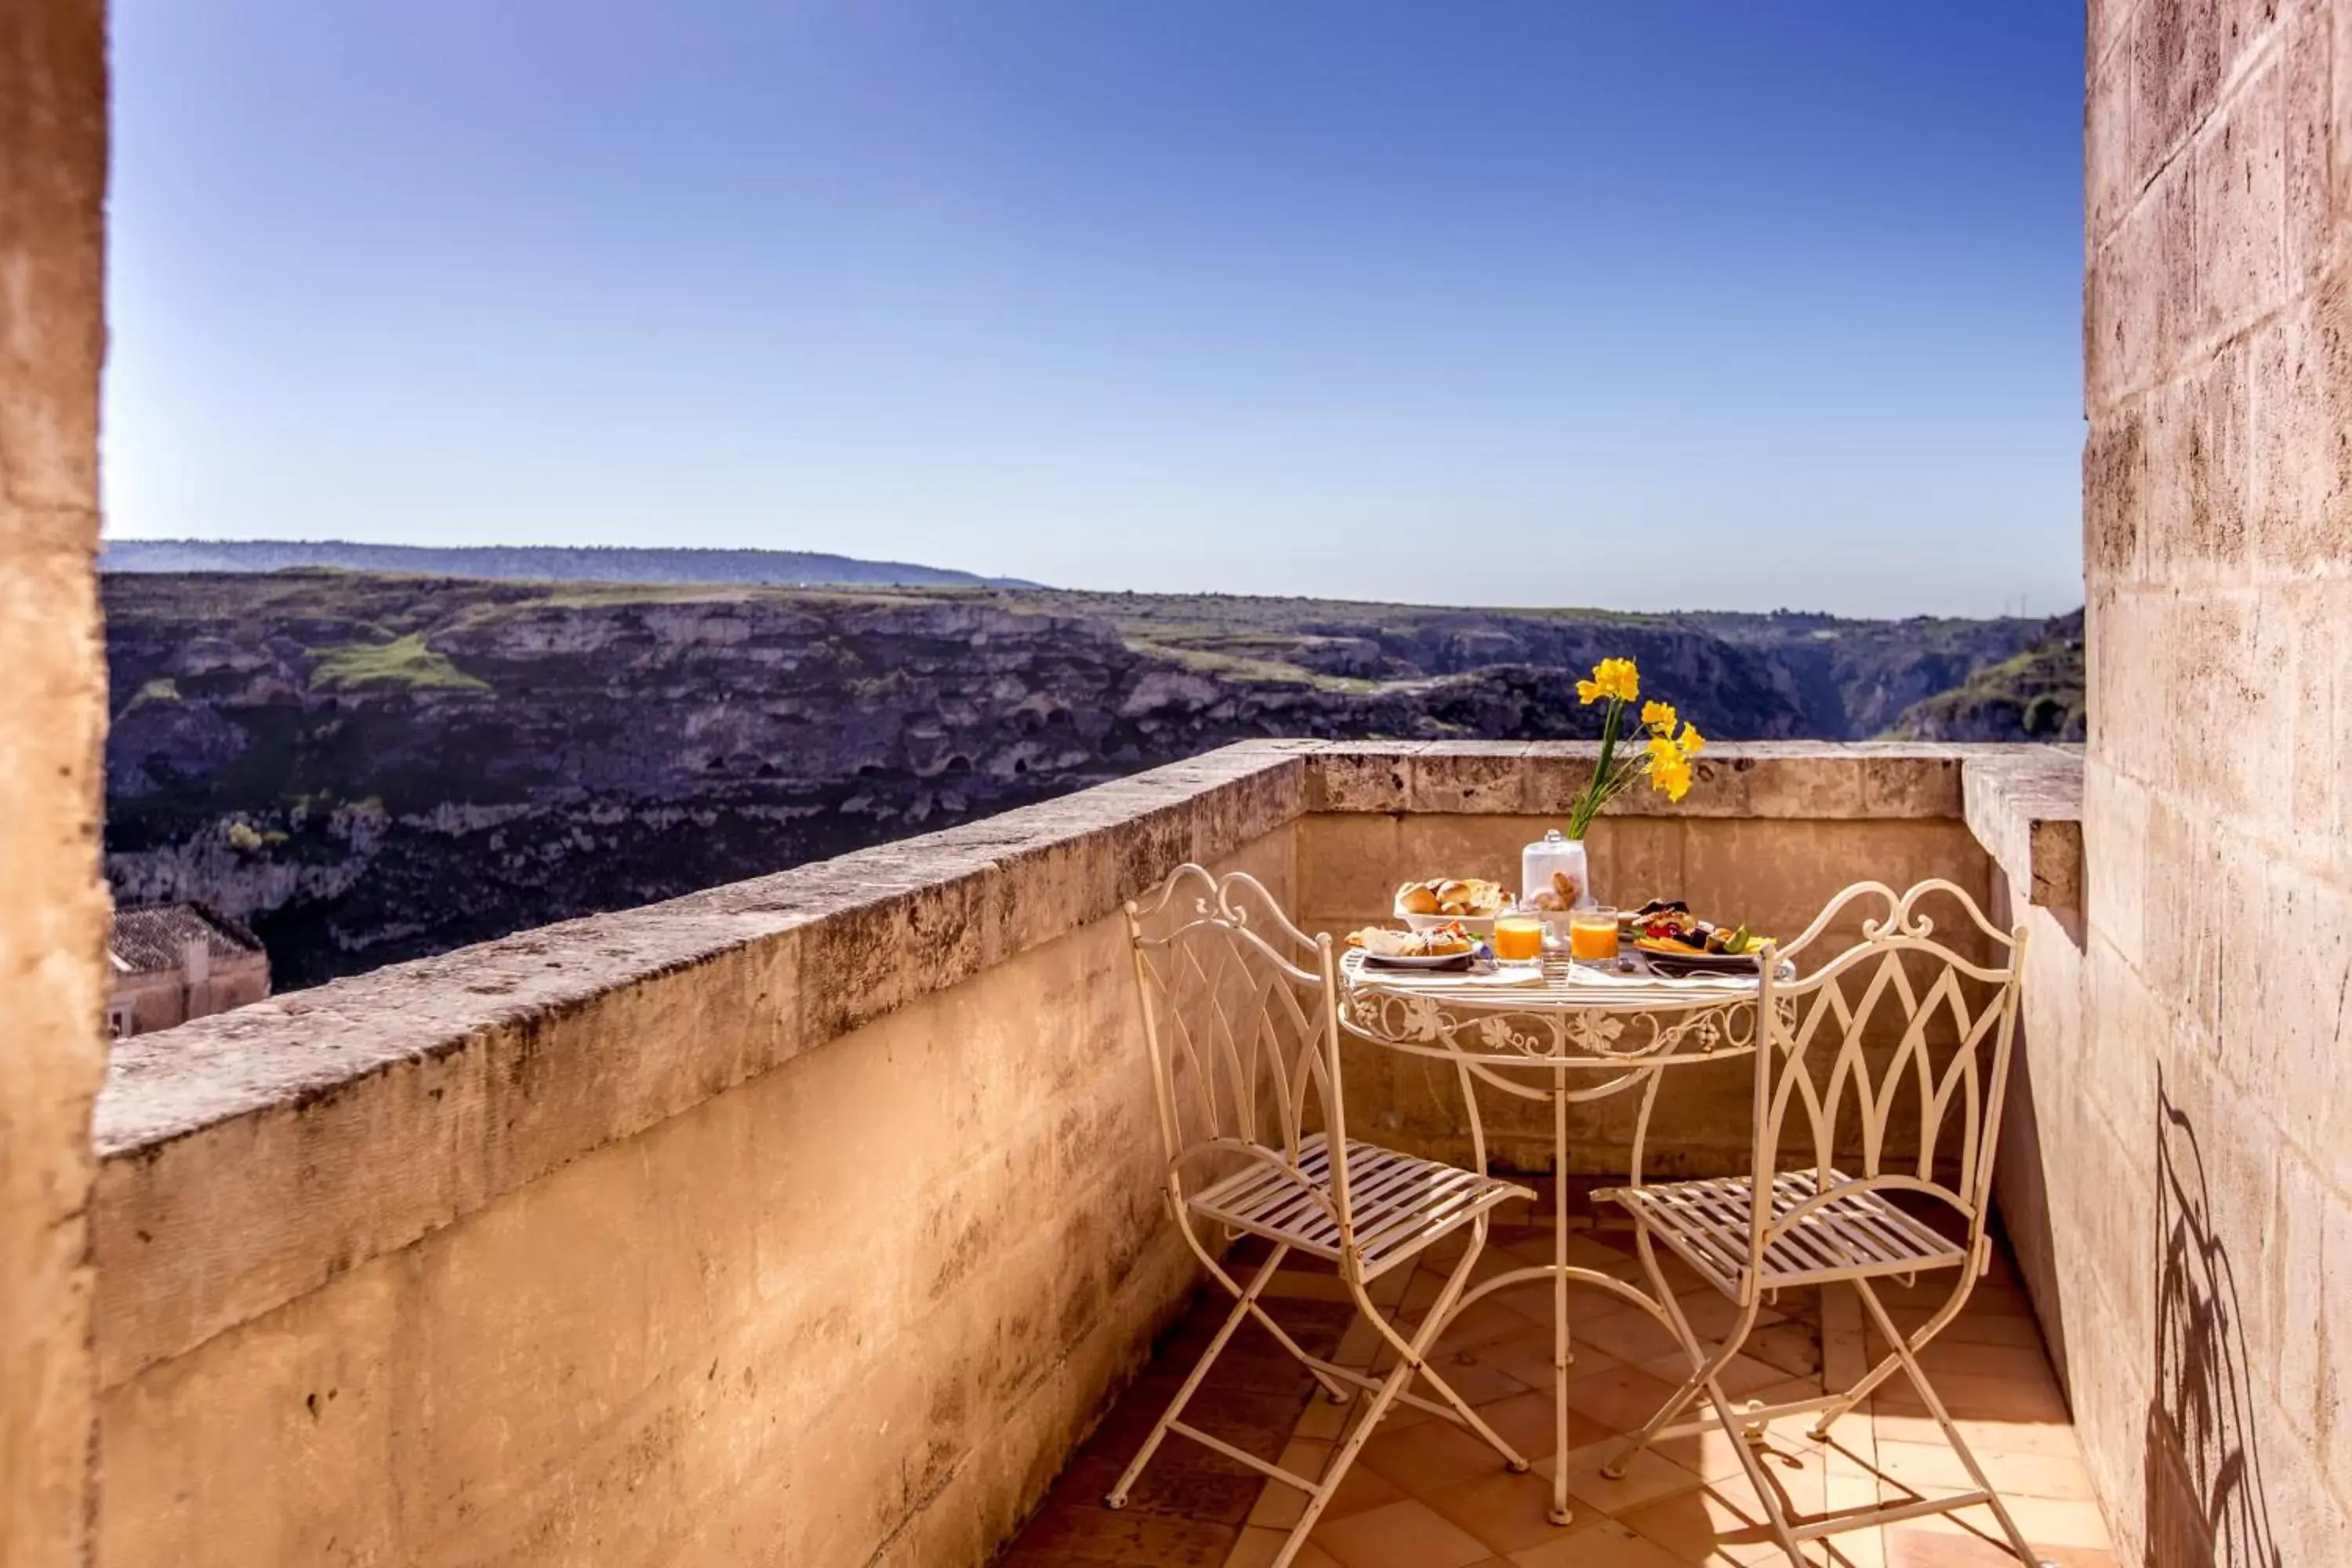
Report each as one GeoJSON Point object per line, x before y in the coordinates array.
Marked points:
{"type": "Point", "coordinates": [1886, 1060]}
{"type": "Point", "coordinates": [1240, 1013]}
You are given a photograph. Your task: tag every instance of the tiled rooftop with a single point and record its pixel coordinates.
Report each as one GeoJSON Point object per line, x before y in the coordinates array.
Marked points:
{"type": "Point", "coordinates": [1426, 1495]}
{"type": "Point", "coordinates": [151, 939]}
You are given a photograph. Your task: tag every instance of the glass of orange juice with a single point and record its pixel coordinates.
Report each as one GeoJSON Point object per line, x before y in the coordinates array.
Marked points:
{"type": "Point", "coordinates": [1592, 936]}
{"type": "Point", "coordinates": [1518, 939]}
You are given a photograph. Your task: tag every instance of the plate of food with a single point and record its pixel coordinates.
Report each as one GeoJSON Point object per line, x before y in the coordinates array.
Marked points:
{"type": "Point", "coordinates": [1677, 941]}
{"type": "Point", "coordinates": [1433, 947]}
{"type": "Point", "coordinates": [1471, 902]}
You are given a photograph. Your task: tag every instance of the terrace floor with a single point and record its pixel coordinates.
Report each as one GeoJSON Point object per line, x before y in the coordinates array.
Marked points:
{"type": "Point", "coordinates": [1426, 1495]}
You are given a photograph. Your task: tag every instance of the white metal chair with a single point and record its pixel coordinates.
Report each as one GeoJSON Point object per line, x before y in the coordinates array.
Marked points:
{"type": "Point", "coordinates": [1937, 1063]}
{"type": "Point", "coordinates": [1241, 1017]}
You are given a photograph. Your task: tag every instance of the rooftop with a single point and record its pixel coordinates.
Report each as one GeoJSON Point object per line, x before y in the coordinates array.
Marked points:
{"type": "Point", "coordinates": [153, 939]}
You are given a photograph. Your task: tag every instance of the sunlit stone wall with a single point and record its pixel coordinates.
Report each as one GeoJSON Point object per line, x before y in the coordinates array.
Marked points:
{"type": "Point", "coordinates": [2204, 1206]}
{"type": "Point", "coordinates": [52, 711]}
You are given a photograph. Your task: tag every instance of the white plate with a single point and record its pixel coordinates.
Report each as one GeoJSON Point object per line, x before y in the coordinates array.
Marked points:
{"type": "Point", "coordinates": [1427, 960]}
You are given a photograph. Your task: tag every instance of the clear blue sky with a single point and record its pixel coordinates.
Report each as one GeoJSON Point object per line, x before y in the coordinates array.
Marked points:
{"type": "Point", "coordinates": [1523, 301]}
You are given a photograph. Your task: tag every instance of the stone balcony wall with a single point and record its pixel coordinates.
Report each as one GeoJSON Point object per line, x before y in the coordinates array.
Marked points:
{"type": "Point", "coordinates": [53, 969]}
{"type": "Point", "coordinates": [2208, 1119]}
{"type": "Point", "coordinates": [810, 1219]}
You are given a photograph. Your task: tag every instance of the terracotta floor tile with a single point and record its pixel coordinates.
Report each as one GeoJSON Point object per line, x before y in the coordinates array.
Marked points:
{"type": "Point", "coordinates": [1970, 1328]}
{"type": "Point", "coordinates": [1710, 1452]}
{"type": "Point", "coordinates": [1794, 1346]}
{"type": "Point", "coordinates": [1388, 1290]}
{"type": "Point", "coordinates": [1649, 1476]}
{"type": "Point", "coordinates": [1632, 1335]}
{"type": "Point", "coordinates": [1508, 1512]}
{"type": "Point", "coordinates": [1432, 1454]}
{"type": "Point", "coordinates": [1688, 1501]}
{"type": "Point", "coordinates": [1936, 1465]}
{"type": "Point", "coordinates": [2058, 1520]}
{"type": "Point", "coordinates": [1604, 1544]}
{"type": "Point", "coordinates": [1278, 1507]}
{"type": "Point", "coordinates": [1977, 1398]}
{"type": "Point", "coordinates": [1481, 1322]}
{"type": "Point", "coordinates": [1526, 1356]}
{"type": "Point", "coordinates": [1622, 1398]}
{"type": "Point", "coordinates": [1362, 1489]}
{"type": "Point", "coordinates": [1721, 1523]}
{"type": "Point", "coordinates": [1529, 1423]}
{"type": "Point", "coordinates": [1742, 1376]}
{"type": "Point", "coordinates": [1257, 1547]}
{"type": "Point", "coordinates": [1900, 1424]}
{"type": "Point", "coordinates": [1358, 1344]}
{"type": "Point", "coordinates": [1711, 1314]}
{"type": "Point", "coordinates": [1296, 1282]}
{"type": "Point", "coordinates": [1801, 1304]}
{"type": "Point", "coordinates": [1909, 1545]}
{"type": "Point", "coordinates": [1324, 1419]}
{"type": "Point", "coordinates": [1090, 1535]}
{"type": "Point", "coordinates": [1474, 1375]}
{"type": "Point", "coordinates": [2021, 1364]}
{"type": "Point", "coordinates": [1407, 1534]}
{"type": "Point", "coordinates": [1584, 1251]}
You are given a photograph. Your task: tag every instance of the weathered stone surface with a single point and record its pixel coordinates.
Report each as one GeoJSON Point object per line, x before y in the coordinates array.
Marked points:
{"type": "Point", "coordinates": [641, 1272]}
{"type": "Point", "coordinates": [53, 105]}
{"type": "Point", "coordinates": [2026, 808]}
{"type": "Point", "coordinates": [2195, 1174]}
{"type": "Point", "coordinates": [813, 1214]}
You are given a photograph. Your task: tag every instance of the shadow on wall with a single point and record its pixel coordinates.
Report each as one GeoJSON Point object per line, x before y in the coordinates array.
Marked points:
{"type": "Point", "coordinates": [2203, 1471]}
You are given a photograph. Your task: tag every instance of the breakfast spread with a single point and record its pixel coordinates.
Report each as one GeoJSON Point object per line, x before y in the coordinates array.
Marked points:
{"type": "Point", "coordinates": [1437, 942]}
{"type": "Point", "coordinates": [1460, 895]}
{"type": "Point", "coordinates": [1667, 926]}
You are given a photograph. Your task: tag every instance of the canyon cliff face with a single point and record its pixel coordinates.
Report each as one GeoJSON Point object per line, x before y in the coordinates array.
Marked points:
{"type": "Point", "coordinates": [369, 769]}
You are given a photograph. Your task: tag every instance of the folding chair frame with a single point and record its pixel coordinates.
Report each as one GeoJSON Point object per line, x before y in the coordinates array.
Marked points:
{"type": "Point", "coordinates": [1237, 910]}
{"type": "Point", "coordinates": [1849, 1241]}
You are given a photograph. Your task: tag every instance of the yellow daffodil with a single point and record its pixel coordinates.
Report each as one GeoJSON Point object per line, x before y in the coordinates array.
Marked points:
{"type": "Point", "coordinates": [1617, 678]}
{"type": "Point", "coordinates": [1670, 773]}
{"type": "Point", "coordinates": [1667, 743]}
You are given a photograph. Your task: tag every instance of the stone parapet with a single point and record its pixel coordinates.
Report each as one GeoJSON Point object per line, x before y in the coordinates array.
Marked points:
{"type": "Point", "coordinates": [837, 1184]}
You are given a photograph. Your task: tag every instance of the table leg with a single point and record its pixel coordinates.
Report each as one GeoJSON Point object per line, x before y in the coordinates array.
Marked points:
{"type": "Point", "coordinates": [1561, 1354]}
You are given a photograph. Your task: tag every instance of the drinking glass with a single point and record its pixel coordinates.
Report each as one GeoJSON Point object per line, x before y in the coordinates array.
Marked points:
{"type": "Point", "coordinates": [1592, 936]}
{"type": "Point", "coordinates": [1518, 939]}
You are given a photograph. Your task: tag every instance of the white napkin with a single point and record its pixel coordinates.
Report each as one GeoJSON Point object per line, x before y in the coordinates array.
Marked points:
{"type": "Point", "coordinates": [1381, 974]}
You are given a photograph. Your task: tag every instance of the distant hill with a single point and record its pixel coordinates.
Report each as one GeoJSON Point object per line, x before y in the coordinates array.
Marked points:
{"type": "Point", "coordinates": [368, 768]}
{"type": "Point", "coordinates": [2035, 694]}
{"type": "Point", "coordinates": [531, 562]}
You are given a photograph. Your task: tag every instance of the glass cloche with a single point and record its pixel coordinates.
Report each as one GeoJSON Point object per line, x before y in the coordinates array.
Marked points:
{"type": "Point", "coordinates": [1554, 876]}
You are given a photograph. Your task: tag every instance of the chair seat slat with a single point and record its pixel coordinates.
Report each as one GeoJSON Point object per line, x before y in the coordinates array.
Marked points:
{"type": "Point", "coordinates": [1858, 1232]}
{"type": "Point", "coordinates": [1402, 1203]}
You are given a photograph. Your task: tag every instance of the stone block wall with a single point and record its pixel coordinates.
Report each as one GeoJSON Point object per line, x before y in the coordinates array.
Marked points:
{"type": "Point", "coordinates": [809, 1220]}
{"type": "Point", "coordinates": [52, 713]}
{"type": "Point", "coordinates": [2200, 1154]}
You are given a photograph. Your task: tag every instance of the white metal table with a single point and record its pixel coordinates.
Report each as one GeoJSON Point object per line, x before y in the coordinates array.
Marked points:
{"type": "Point", "coordinates": [1575, 1033]}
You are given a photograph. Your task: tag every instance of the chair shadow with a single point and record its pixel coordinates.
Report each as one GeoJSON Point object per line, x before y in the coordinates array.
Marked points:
{"type": "Point", "coordinates": [2201, 1461]}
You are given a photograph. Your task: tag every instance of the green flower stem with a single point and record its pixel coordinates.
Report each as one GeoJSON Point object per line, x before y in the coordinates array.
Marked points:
{"type": "Point", "coordinates": [1611, 777]}
{"type": "Point", "coordinates": [1604, 782]}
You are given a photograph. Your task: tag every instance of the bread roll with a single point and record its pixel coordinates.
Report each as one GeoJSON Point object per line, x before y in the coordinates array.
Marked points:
{"type": "Point", "coordinates": [1415, 898]}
